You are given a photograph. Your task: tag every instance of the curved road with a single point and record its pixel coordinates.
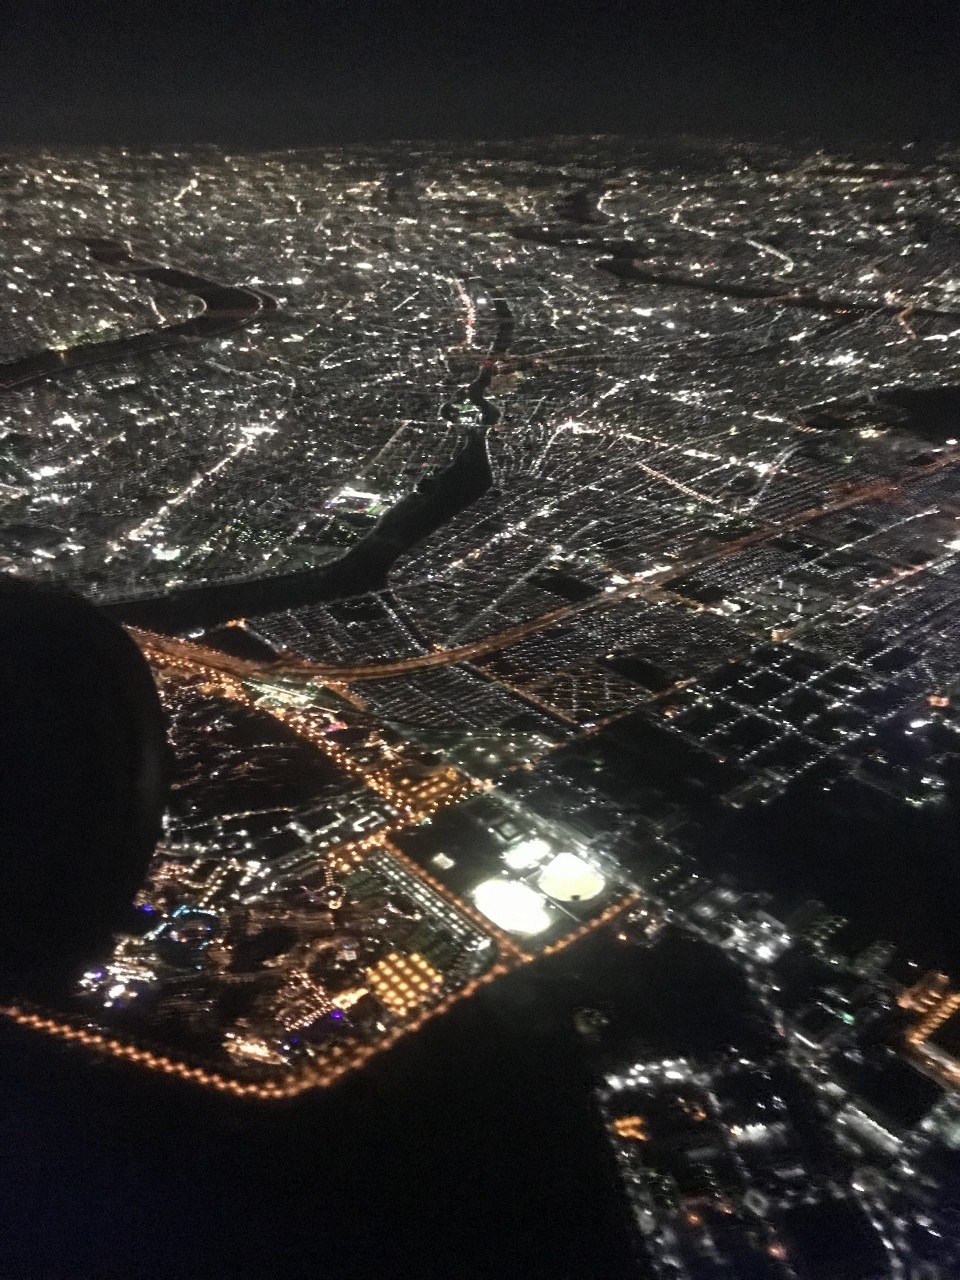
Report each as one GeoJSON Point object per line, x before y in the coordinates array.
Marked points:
{"type": "Point", "coordinates": [226, 307]}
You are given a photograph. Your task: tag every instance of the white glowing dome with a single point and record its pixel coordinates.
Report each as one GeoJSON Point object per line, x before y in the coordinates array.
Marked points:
{"type": "Point", "coordinates": [569, 879]}
{"type": "Point", "coordinates": [512, 905]}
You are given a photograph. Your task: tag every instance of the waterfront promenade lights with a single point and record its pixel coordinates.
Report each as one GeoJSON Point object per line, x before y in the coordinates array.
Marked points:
{"type": "Point", "coordinates": [82, 785]}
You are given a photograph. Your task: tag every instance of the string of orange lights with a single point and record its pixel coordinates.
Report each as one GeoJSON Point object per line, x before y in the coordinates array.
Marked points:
{"type": "Point", "coordinates": [408, 981]}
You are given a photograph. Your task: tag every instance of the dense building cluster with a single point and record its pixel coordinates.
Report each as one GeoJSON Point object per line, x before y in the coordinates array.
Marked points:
{"type": "Point", "coordinates": [673, 644]}
{"type": "Point", "coordinates": [277, 928]}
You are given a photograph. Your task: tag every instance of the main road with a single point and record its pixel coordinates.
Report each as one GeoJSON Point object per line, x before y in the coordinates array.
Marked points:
{"type": "Point", "coordinates": [651, 588]}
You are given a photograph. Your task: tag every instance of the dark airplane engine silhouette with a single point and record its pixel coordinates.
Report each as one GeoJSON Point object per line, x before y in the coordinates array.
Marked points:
{"type": "Point", "coordinates": [84, 769]}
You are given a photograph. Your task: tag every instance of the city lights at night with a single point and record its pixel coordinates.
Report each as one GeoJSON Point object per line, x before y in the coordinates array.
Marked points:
{"type": "Point", "coordinates": [480, 670]}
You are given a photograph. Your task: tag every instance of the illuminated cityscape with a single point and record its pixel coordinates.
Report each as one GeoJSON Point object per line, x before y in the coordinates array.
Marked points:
{"type": "Point", "coordinates": [548, 559]}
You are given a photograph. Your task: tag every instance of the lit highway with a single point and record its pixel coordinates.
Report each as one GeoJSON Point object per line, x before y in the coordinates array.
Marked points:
{"type": "Point", "coordinates": [537, 551]}
{"type": "Point", "coordinates": [648, 590]}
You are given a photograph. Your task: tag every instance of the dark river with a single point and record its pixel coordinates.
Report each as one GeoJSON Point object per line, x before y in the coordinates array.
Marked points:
{"type": "Point", "coordinates": [226, 307]}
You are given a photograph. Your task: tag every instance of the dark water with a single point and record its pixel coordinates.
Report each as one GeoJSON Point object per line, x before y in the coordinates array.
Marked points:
{"type": "Point", "coordinates": [366, 565]}
{"type": "Point", "coordinates": [932, 414]}
{"type": "Point", "coordinates": [626, 259]}
{"type": "Point", "coordinates": [363, 568]}
{"type": "Point", "coordinates": [470, 1151]}
{"type": "Point", "coordinates": [226, 307]}
{"type": "Point", "coordinates": [626, 267]}
{"type": "Point", "coordinates": [893, 870]}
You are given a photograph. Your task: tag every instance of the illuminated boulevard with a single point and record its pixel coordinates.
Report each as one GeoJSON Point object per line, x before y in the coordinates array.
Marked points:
{"type": "Point", "coordinates": [650, 589]}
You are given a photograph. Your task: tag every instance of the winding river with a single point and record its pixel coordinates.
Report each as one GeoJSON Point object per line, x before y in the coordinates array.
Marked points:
{"type": "Point", "coordinates": [226, 307]}
{"type": "Point", "coordinates": [625, 261]}
{"type": "Point", "coordinates": [365, 566]}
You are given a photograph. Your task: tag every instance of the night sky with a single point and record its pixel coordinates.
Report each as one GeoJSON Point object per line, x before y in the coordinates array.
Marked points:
{"type": "Point", "coordinates": [285, 74]}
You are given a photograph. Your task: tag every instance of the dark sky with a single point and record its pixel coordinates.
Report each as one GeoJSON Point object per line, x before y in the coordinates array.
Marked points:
{"type": "Point", "coordinates": [278, 74]}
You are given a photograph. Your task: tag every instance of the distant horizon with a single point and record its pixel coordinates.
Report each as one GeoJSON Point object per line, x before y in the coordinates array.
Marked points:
{"type": "Point", "coordinates": [822, 137]}
{"type": "Point", "coordinates": [784, 140]}
{"type": "Point", "coordinates": [339, 75]}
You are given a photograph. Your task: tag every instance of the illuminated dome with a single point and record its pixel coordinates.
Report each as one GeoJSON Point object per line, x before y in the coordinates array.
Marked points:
{"type": "Point", "coordinates": [514, 906]}
{"type": "Point", "coordinates": [569, 879]}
